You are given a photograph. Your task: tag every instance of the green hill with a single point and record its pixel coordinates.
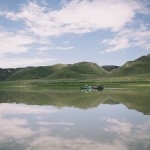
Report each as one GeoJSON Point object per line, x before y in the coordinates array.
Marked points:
{"type": "Point", "coordinates": [65, 74]}
{"type": "Point", "coordinates": [87, 68]}
{"type": "Point", "coordinates": [35, 72]}
{"type": "Point", "coordinates": [140, 66]}
{"type": "Point", "coordinates": [6, 73]}
{"type": "Point", "coordinates": [82, 70]}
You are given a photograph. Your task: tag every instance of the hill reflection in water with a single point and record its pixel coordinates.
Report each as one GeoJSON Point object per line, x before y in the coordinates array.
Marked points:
{"type": "Point", "coordinates": [32, 119]}
{"type": "Point", "coordinates": [133, 99]}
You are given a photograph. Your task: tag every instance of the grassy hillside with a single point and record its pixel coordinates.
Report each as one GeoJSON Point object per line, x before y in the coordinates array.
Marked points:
{"type": "Point", "coordinates": [82, 70]}
{"type": "Point", "coordinates": [87, 68]}
{"type": "Point", "coordinates": [6, 73]}
{"type": "Point", "coordinates": [65, 73]}
{"type": "Point", "coordinates": [35, 72]}
{"type": "Point", "coordinates": [140, 66]}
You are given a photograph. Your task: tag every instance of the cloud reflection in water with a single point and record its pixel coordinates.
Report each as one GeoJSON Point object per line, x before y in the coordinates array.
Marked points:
{"type": "Point", "coordinates": [51, 128]}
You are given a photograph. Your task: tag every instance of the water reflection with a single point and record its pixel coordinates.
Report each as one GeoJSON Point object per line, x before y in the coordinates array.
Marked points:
{"type": "Point", "coordinates": [133, 99]}
{"type": "Point", "coordinates": [43, 125]}
{"type": "Point", "coordinates": [91, 90]}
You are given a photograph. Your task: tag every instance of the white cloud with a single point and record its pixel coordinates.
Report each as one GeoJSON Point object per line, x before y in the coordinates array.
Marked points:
{"type": "Point", "coordinates": [128, 132]}
{"type": "Point", "coordinates": [41, 133]}
{"type": "Point", "coordinates": [14, 42]}
{"type": "Point", "coordinates": [117, 126]}
{"type": "Point", "coordinates": [18, 128]}
{"type": "Point", "coordinates": [56, 123]}
{"type": "Point", "coordinates": [116, 44]}
{"type": "Point", "coordinates": [77, 16]}
{"type": "Point", "coordinates": [13, 128]}
{"type": "Point", "coordinates": [138, 37]}
{"type": "Point", "coordinates": [45, 48]}
{"type": "Point", "coordinates": [6, 108]}
{"type": "Point", "coordinates": [66, 42]}
{"type": "Point", "coordinates": [23, 62]}
{"type": "Point", "coordinates": [73, 144]}
{"type": "Point", "coordinates": [20, 43]}
{"type": "Point", "coordinates": [62, 48]}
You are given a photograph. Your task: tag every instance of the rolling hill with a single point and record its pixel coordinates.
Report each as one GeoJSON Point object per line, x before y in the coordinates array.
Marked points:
{"type": "Point", "coordinates": [6, 73]}
{"type": "Point", "coordinates": [81, 70]}
{"type": "Point", "coordinates": [87, 68]}
{"type": "Point", "coordinates": [35, 72]}
{"type": "Point", "coordinates": [140, 66]}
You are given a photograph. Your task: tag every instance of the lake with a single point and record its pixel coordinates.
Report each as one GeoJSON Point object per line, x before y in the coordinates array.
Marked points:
{"type": "Point", "coordinates": [44, 119]}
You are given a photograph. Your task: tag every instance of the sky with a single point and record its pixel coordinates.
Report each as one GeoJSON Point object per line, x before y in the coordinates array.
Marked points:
{"type": "Point", "coordinates": [47, 32]}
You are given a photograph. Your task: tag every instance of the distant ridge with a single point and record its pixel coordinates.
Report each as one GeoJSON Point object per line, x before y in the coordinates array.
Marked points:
{"type": "Point", "coordinates": [6, 73]}
{"type": "Point", "coordinates": [81, 70]}
{"type": "Point", "coordinates": [136, 67]}
{"type": "Point", "coordinates": [35, 72]}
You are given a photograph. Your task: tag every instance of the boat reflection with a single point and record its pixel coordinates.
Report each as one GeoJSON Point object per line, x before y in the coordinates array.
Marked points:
{"type": "Point", "coordinates": [91, 90]}
{"type": "Point", "coordinates": [87, 88]}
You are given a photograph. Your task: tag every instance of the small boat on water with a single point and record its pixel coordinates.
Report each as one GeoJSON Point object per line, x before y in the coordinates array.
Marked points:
{"type": "Point", "coordinates": [87, 87]}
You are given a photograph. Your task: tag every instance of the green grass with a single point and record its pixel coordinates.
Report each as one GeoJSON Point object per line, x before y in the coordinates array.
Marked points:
{"type": "Point", "coordinates": [115, 82]}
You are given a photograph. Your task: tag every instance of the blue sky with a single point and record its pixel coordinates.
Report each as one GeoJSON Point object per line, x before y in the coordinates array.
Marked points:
{"type": "Point", "coordinates": [47, 32]}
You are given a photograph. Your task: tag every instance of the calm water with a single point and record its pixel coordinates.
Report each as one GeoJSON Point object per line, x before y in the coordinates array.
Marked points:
{"type": "Point", "coordinates": [75, 120]}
